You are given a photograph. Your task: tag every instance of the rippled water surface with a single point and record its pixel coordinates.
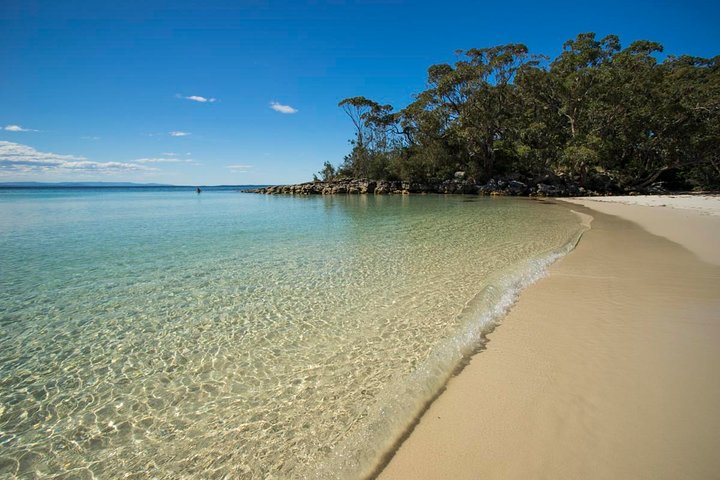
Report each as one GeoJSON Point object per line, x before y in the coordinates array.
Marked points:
{"type": "Point", "coordinates": [164, 334]}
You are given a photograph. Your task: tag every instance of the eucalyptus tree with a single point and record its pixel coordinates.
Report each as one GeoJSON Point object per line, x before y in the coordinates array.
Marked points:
{"type": "Point", "coordinates": [578, 85]}
{"type": "Point", "coordinates": [429, 146]}
{"type": "Point", "coordinates": [541, 134]}
{"type": "Point", "coordinates": [328, 172]}
{"type": "Point", "coordinates": [477, 99]}
{"type": "Point", "coordinates": [373, 126]}
{"type": "Point", "coordinates": [691, 94]}
{"type": "Point", "coordinates": [629, 117]}
{"type": "Point", "coordinates": [596, 108]}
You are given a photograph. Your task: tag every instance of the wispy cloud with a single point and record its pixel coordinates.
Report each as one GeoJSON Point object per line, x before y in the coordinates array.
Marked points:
{"type": "Point", "coordinates": [16, 158]}
{"type": "Point", "coordinates": [278, 107]}
{"type": "Point", "coordinates": [163, 160]}
{"type": "Point", "coordinates": [238, 168]}
{"type": "Point", "coordinates": [179, 134]}
{"type": "Point", "coordinates": [170, 154]}
{"type": "Point", "coordinates": [17, 128]}
{"type": "Point", "coordinates": [198, 98]}
{"type": "Point", "coordinates": [89, 137]}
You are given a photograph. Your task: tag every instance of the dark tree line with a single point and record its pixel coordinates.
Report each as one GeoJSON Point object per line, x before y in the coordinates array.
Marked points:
{"type": "Point", "coordinates": [596, 109]}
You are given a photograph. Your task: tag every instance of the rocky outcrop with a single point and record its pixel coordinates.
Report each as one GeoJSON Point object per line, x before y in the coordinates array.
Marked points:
{"type": "Point", "coordinates": [545, 186]}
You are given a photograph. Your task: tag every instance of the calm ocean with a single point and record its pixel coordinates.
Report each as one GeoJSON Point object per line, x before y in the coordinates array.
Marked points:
{"type": "Point", "coordinates": [158, 333]}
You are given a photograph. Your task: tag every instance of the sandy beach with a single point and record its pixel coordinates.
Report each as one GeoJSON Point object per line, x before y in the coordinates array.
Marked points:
{"type": "Point", "coordinates": [607, 368]}
{"type": "Point", "coordinates": [692, 221]}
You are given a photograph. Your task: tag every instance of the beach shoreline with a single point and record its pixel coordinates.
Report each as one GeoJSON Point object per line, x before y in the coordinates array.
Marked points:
{"type": "Point", "coordinates": [607, 368]}
{"type": "Point", "coordinates": [692, 221]}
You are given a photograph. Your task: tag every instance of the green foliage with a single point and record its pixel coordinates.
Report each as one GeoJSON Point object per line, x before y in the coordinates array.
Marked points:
{"type": "Point", "coordinates": [595, 108]}
{"type": "Point", "coordinates": [328, 172]}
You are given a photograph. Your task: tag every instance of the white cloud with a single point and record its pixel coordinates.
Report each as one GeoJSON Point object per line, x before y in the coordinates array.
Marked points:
{"type": "Point", "coordinates": [17, 128]}
{"type": "Point", "coordinates": [179, 134]}
{"type": "Point", "coordinates": [170, 154]}
{"type": "Point", "coordinates": [16, 158]}
{"type": "Point", "coordinates": [238, 168]}
{"type": "Point", "coordinates": [162, 160]}
{"type": "Point", "coordinates": [88, 137]}
{"type": "Point", "coordinates": [278, 107]}
{"type": "Point", "coordinates": [198, 98]}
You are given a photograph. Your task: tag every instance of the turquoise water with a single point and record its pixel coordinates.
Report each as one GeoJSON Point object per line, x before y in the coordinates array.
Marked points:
{"type": "Point", "coordinates": [156, 333]}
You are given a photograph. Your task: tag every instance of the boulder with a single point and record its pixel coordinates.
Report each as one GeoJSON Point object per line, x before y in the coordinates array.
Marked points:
{"type": "Point", "coordinates": [367, 187]}
{"type": "Point", "coordinates": [516, 188]}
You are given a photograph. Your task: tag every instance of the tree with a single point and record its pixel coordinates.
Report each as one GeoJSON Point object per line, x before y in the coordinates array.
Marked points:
{"type": "Point", "coordinates": [477, 99]}
{"type": "Point", "coordinates": [327, 173]}
{"type": "Point", "coordinates": [596, 111]}
{"type": "Point", "coordinates": [373, 123]}
{"type": "Point", "coordinates": [691, 134]}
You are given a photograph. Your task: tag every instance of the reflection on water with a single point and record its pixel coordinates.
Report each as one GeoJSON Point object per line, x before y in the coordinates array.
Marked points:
{"type": "Point", "coordinates": [168, 335]}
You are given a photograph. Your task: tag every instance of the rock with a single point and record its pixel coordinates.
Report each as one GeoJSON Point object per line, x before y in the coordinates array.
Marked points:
{"type": "Point", "coordinates": [490, 187]}
{"type": "Point", "coordinates": [657, 188]}
{"type": "Point", "coordinates": [549, 185]}
{"type": "Point", "coordinates": [468, 188]}
{"type": "Point", "coordinates": [598, 181]}
{"type": "Point", "coordinates": [448, 187]}
{"type": "Point", "coordinates": [368, 187]}
{"type": "Point", "coordinates": [545, 190]}
{"type": "Point", "coordinates": [516, 188]}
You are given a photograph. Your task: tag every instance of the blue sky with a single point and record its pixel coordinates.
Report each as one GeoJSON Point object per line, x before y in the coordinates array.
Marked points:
{"type": "Point", "coordinates": [113, 91]}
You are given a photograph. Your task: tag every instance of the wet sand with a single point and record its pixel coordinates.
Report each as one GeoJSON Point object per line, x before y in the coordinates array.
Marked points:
{"type": "Point", "coordinates": [608, 368]}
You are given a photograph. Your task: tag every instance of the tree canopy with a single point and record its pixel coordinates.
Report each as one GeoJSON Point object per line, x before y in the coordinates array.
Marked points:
{"type": "Point", "coordinates": [596, 109]}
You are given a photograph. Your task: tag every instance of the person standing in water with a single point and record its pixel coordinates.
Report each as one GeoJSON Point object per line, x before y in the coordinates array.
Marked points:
{"type": "Point", "coordinates": [198, 190]}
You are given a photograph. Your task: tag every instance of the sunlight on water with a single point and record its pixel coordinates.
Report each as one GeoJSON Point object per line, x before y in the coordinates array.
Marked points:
{"type": "Point", "coordinates": [171, 335]}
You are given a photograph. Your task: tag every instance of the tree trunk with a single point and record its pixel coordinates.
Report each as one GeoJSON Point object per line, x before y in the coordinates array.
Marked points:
{"type": "Point", "coordinates": [652, 177]}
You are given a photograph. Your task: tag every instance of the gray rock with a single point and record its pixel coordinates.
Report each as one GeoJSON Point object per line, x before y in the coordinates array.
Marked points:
{"type": "Point", "coordinates": [516, 188]}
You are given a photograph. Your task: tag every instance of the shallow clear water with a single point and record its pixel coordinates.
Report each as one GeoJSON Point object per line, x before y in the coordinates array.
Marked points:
{"type": "Point", "coordinates": [160, 333]}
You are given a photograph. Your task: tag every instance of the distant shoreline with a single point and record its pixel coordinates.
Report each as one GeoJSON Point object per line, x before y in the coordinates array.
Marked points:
{"type": "Point", "coordinates": [70, 185]}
